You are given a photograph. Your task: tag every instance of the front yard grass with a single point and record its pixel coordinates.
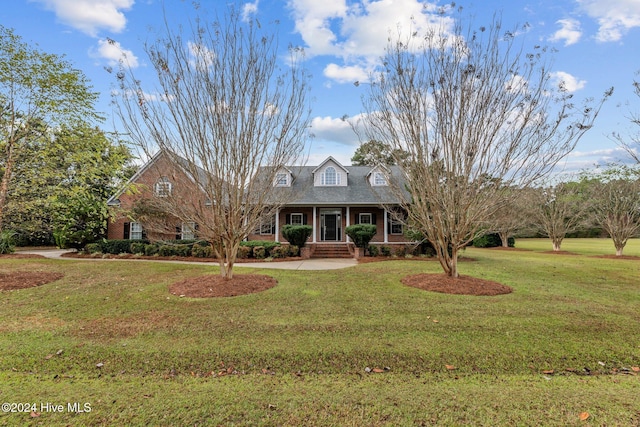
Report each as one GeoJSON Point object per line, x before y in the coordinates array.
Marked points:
{"type": "Point", "coordinates": [109, 334]}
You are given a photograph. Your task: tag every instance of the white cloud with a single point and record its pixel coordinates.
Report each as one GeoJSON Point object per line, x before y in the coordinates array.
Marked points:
{"type": "Point", "coordinates": [567, 81]}
{"type": "Point", "coordinates": [615, 17]}
{"type": "Point", "coordinates": [333, 129]}
{"type": "Point", "coordinates": [200, 56]}
{"type": "Point", "coordinates": [358, 32]}
{"type": "Point", "coordinates": [578, 161]}
{"type": "Point", "coordinates": [249, 9]}
{"type": "Point", "coordinates": [517, 84]}
{"type": "Point", "coordinates": [114, 54]}
{"type": "Point", "coordinates": [89, 16]}
{"type": "Point", "coordinates": [346, 74]}
{"type": "Point", "coordinates": [569, 31]}
{"type": "Point", "coordinates": [313, 21]}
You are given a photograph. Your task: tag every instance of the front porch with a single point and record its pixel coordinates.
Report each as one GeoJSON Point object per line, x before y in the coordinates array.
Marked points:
{"type": "Point", "coordinates": [329, 223]}
{"type": "Point", "coordinates": [328, 238]}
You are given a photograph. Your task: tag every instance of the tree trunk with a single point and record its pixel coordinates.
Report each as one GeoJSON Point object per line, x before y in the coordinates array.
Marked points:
{"type": "Point", "coordinates": [6, 179]}
{"type": "Point", "coordinates": [504, 238]}
{"type": "Point", "coordinates": [556, 244]}
{"type": "Point", "coordinates": [449, 263]}
{"type": "Point", "coordinates": [230, 254]}
{"type": "Point", "coordinates": [619, 250]}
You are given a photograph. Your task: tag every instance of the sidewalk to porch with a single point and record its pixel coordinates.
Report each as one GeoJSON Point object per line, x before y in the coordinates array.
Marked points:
{"type": "Point", "coordinates": [303, 264]}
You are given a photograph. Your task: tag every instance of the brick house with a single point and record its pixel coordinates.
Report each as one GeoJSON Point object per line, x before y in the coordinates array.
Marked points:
{"type": "Point", "coordinates": [329, 197]}
{"type": "Point", "coordinates": [160, 177]}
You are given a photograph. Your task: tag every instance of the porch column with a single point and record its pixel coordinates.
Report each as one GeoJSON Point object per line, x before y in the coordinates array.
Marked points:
{"type": "Point", "coordinates": [347, 224]}
{"type": "Point", "coordinates": [277, 225]}
{"type": "Point", "coordinates": [315, 225]}
{"type": "Point", "coordinates": [386, 231]}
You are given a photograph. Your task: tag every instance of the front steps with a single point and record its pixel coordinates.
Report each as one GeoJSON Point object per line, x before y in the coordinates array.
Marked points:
{"type": "Point", "coordinates": [331, 250]}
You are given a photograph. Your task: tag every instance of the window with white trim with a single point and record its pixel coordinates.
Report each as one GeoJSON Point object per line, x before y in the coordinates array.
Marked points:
{"type": "Point", "coordinates": [365, 218]}
{"type": "Point", "coordinates": [267, 226]}
{"type": "Point", "coordinates": [396, 227]}
{"type": "Point", "coordinates": [162, 187]}
{"type": "Point", "coordinates": [135, 231]}
{"type": "Point", "coordinates": [379, 179]}
{"type": "Point", "coordinates": [188, 230]}
{"type": "Point", "coordinates": [297, 219]}
{"type": "Point", "coordinates": [282, 180]}
{"type": "Point", "coordinates": [330, 176]}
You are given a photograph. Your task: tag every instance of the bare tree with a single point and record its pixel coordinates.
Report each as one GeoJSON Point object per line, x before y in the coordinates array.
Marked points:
{"type": "Point", "coordinates": [511, 217]}
{"type": "Point", "coordinates": [477, 115]}
{"type": "Point", "coordinates": [225, 109]}
{"type": "Point", "coordinates": [559, 209]}
{"type": "Point", "coordinates": [615, 193]}
{"type": "Point", "coordinates": [631, 145]}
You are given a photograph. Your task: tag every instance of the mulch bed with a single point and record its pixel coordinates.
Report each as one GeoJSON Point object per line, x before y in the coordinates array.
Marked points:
{"type": "Point", "coordinates": [214, 285]}
{"type": "Point", "coordinates": [463, 285]}
{"type": "Point", "coordinates": [26, 279]}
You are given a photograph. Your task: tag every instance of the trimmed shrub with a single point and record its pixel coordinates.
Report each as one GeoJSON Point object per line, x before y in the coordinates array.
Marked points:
{"type": "Point", "coordinates": [266, 244]}
{"type": "Point", "coordinates": [175, 250]}
{"type": "Point", "coordinates": [118, 246]}
{"type": "Point", "coordinates": [361, 234]}
{"type": "Point", "coordinates": [182, 250]}
{"type": "Point", "coordinates": [374, 250]}
{"type": "Point", "coordinates": [294, 250]}
{"type": "Point", "coordinates": [400, 251]}
{"type": "Point", "coordinates": [92, 248]}
{"type": "Point", "coordinates": [259, 252]}
{"type": "Point", "coordinates": [280, 252]}
{"type": "Point", "coordinates": [165, 250]}
{"type": "Point", "coordinates": [244, 252]}
{"type": "Point", "coordinates": [137, 248]}
{"type": "Point", "coordinates": [297, 234]}
{"type": "Point", "coordinates": [151, 249]}
{"type": "Point", "coordinates": [385, 250]}
{"type": "Point", "coordinates": [200, 251]}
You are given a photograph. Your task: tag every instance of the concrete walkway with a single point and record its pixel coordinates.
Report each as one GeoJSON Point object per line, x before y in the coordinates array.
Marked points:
{"type": "Point", "coordinates": [306, 264]}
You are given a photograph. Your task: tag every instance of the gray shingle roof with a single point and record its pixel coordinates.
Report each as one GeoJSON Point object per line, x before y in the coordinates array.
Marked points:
{"type": "Point", "coordinates": [358, 191]}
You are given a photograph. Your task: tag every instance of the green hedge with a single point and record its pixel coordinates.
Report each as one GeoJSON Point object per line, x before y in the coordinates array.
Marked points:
{"type": "Point", "coordinates": [186, 248]}
{"type": "Point", "coordinates": [121, 246]}
{"type": "Point", "coordinates": [267, 244]}
{"type": "Point", "coordinates": [491, 240]}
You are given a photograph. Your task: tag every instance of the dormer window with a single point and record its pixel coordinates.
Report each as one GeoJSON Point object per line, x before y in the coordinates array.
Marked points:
{"type": "Point", "coordinates": [379, 179]}
{"type": "Point", "coordinates": [162, 187]}
{"type": "Point", "coordinates": [330, 173]}
{"type": "Point", "coordinates": [282, 180]}
{"type": "Point", "coordinates": [330, 176]}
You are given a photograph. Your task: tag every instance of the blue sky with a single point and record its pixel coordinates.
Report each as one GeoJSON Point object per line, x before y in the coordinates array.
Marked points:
{"type": "Point", "coordinates": [597, 43]}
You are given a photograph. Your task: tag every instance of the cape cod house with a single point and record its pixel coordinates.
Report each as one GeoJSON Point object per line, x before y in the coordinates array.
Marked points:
{"type": "Point", "coordinates": [329, 197]}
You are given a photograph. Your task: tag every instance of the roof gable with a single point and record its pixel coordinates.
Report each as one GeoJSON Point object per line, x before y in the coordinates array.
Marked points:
{"type": "Point", "coordinates": [113, 200]}
{"type": "Point", "coordinates": [334, 161]}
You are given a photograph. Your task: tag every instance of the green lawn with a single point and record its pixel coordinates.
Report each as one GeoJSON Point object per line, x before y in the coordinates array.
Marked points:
{"type": "Point", "coordinates": [296, 354]}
